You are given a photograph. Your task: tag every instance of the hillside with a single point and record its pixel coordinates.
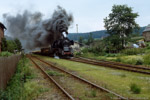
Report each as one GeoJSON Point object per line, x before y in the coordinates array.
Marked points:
{"type": "Point", "coordinates": [95, 34]}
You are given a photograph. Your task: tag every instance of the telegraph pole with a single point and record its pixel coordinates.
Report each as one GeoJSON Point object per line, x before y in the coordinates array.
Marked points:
{"type": "Point", "coordinates": [77, 27]}
{"type": "Point", "coordinates": [77, 30]}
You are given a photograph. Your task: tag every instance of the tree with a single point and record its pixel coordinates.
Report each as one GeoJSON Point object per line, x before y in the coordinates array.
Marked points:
{"type": "Point", "coordinates": [80, 40]}
{"type": "Point", "coordinates": [112, 44]}
{"type": "Point", "coordinates": [120, 23]}
{"type": "Point", "coordinates": [90, 39]}
{"type": "Point", "coordinates": [11, 46]}
{"type": "Point", "coordinates": [18, 44]}
{"type": "Point", "coordinates": [4, 44]}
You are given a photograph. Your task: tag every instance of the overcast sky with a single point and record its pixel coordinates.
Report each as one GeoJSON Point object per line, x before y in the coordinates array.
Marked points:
{"type": "Point", "coordinates": [88, 14]}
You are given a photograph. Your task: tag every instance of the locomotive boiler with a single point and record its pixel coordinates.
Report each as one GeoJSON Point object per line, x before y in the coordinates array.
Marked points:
{"type": "Point", "coordinates": [61, 47]}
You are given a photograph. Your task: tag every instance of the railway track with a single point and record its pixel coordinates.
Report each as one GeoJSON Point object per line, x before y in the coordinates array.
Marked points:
{"type": "Point", "coordinates": [81, 79]}
{"type": "Point", "coordinates": [52, 79]}
{"type": "Point", "coordinates": [132, 68]}
{"type": "Point", "coordinates": [117, 63]}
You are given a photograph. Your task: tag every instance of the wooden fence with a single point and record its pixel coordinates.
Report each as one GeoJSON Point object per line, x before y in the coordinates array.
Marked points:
{"type": "Point", "coordinates": [7, 69]}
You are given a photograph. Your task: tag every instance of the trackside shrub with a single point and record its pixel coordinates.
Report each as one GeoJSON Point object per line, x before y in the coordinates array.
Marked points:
{"type": "Point", "coordinates": [118, 59]}
{"type": "Point", "coordinates": [111, 55]}
{"type": "Point", "coordinates": [133, 51]}
{"type": "Point", "coordinates": [133, 61]}
{"type": "Point", "coordinates": [78, 54]}
{"type": "Point", "coordinates": [139, 62]}
{"type": "Point", "coordinates": [93, 93]}
{"type": "Point", "coordinates": [135, 88]}
{"type": "Point", "coordinates": [54, 73]}
{"type": "Point", "coordinates": [148, 47]}
{"type": "Point", "coordinates": [146, 59]}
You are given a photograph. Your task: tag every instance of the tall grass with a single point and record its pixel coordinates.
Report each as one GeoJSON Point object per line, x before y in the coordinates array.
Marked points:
{"type": "Point", "coordinates": [20, 87]}
{"type": "Point", "coordinates": [135, 88]}
{"type": "Point", "coordinates": [146, 58]}
{"type": "Point", "coordinates": [133, 51]}
{"type": "Point", "coordinates": [7, 69]}
{"type": "Point", "coordinates": [130, 60]}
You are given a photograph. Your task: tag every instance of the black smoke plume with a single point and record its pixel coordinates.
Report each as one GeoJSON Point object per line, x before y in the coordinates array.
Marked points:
{"type": "Point", "coordinates": [34, 32]}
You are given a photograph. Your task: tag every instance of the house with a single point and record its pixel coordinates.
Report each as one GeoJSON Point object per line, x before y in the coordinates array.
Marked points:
{"type": "Point", "coordinates": [2, 27]}
{"type": "Point", "coordinates": [76, 46]}
{"type": "Point", "coordinates": [146, 33]}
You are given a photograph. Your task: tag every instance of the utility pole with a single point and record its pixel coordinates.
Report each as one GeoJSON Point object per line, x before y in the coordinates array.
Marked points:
{"type": "Point", "coordinates": [77, 30]}
{"type": "Point", "coordinates": [77, 27]}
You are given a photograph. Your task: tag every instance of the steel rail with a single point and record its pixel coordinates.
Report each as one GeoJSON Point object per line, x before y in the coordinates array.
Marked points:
{"type": "Point", "coordinates": [110, 65]}
{"type": "Point", "coordinates": [84, 80]}
{"type": "Point", "coordinates": [116, 63]}
{"type": "Point", "coordinates": [58, 85]}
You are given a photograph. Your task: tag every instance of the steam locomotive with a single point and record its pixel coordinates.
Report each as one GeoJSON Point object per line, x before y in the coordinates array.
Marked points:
{"type": "Point", "coordinates": [60, 47]}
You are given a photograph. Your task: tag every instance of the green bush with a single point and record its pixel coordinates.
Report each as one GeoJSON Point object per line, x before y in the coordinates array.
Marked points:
{"type": "Point", "coordinates": [118, 59]}
{"type": "Point", "coordinates": [111, 55]}
{"type": "Point", "coordinates": [135, 88]}
{"type": "Point", "coordinates": [133, 61]}
{"type": "Point", "coordinates": [85, 50]}
{"type": "Point", "coordinates": [123, 75]}
{"type": "Point", "coordinates": [11, 45]}
{"type": "Point", "coordinates": [93, 93]}
{"type": "Point", "coordinates": [146, 58]}
{"type": "Point", "coordinates": [95, 50]}
{"type": "Point", "coordinates": [148, 47]}
{"type": "Point", "coordinates": [139, 62]}
{"type": "Point", "coordinates": [5, 54]}
{"type": "Point", "coordinates": [54, 73]}
{"type": "Point", "coordinates": [133, 51]}
{"type": "Point", "coordinates": [78, 53]}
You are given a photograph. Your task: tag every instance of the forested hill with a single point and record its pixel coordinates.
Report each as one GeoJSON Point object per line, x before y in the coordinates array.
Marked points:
{"type": "Point", "coordinates": [95, 34]}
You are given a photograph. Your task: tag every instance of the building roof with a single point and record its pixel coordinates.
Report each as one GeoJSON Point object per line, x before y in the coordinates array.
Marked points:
{"type": "Point", "coordinates": [147, 29]}
{"type": "Point", "coordinates": [2, 26]}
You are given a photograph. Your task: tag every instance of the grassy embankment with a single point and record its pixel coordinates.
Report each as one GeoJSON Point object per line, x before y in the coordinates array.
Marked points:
{"type": "Point", "coordinates": [135, 56]}
{"type": "Point", "coordinates": [24, 84]}
{"type": "Point", "coordinates": [129, 56]}
{"type": "Point", "coordinates": [128, 84]}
